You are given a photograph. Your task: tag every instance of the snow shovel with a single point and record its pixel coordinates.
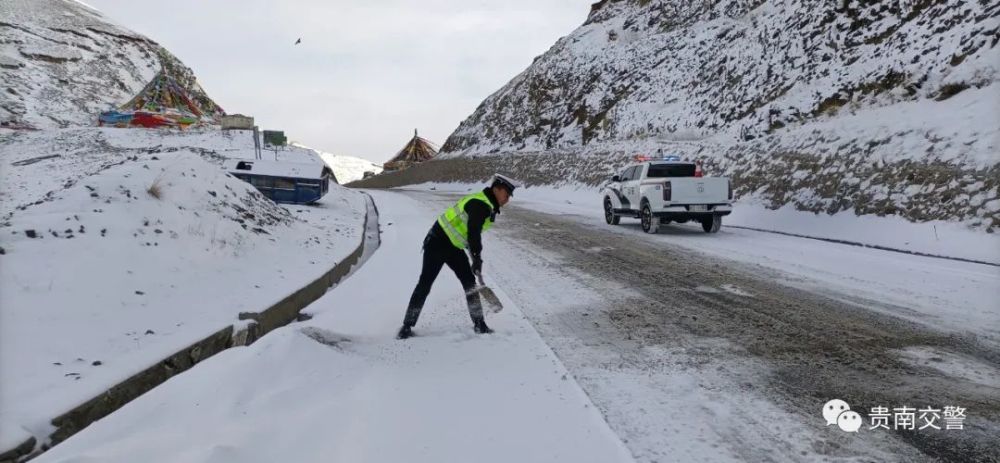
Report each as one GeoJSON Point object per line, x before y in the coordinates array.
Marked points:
{"type": "Point", "coordinates": [488, 295]}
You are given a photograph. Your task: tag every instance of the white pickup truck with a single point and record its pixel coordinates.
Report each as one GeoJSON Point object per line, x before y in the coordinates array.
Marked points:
{"type": "Point", "coordinates": [658, 192]}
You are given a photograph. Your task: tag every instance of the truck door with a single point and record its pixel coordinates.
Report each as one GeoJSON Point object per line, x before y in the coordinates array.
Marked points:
{"type": "Point", "coordinates": [632, 191]}
{"type": "Point", "coordinates": [626, 188]}
{"type": "Point", "coordinates": [621, 188]}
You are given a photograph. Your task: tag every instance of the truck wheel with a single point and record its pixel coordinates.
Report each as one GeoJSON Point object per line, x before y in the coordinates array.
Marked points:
{"type": "Point", "coordinates": [609, 213]}
{"type": "Point", "coordinates": [711, 224]}
{"type": "Point", "coordinates": [650, 224]}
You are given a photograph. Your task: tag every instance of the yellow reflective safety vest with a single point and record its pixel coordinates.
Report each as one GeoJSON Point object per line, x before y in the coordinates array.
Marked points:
{"type": "Point", "coordinates": [455, 221]}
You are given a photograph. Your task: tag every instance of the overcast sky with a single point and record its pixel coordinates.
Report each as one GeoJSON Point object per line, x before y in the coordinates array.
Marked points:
{"type": "Point", "coordinates": [366, 73]}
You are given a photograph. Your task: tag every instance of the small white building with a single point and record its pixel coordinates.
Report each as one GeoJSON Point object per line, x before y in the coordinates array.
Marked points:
{"type": "Point", "coordinates": [236, 122]}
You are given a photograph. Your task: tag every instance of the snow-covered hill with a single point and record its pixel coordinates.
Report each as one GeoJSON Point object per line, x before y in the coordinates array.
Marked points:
{"type": "Point", "coordinates": [142, 238]}
{"type": "Point", "coordinates": [692, 70]}
{"type": "Point", "coordinates": [888, 107]}
{"type": "Point", "coordinates": [346, 168]}
{"type": "Point", "coordinates": [63, 62]}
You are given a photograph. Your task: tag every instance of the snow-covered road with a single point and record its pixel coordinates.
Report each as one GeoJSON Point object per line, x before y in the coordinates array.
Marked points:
{"type": "Point", "coordinates": [613, 345]}
{"type": "Point", "coordinates": [696, 358]}
{"type": "Point", "coordinates": [341, 388]}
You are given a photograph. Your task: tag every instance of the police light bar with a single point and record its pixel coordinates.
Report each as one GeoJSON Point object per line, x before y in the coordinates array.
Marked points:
{"type": "Point", "coordinates": [671, 158]}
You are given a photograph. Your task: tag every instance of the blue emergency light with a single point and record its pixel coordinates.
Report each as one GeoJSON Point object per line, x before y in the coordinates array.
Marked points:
{"type": "Point", "coordinates": [671, 158]}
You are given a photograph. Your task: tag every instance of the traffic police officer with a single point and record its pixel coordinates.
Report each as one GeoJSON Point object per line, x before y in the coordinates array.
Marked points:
{"type": "Point", "coordinates": [460, 227]}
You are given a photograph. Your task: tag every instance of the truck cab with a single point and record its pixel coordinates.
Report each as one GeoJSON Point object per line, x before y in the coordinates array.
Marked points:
{"type": "Point", "coordinates": [669, 190]}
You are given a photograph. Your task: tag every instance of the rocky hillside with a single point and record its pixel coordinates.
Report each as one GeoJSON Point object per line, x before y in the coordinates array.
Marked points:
{"type": "Point", "coordinates": [62, 63]}
{"type": "Point", "coordinates": [884, 107]}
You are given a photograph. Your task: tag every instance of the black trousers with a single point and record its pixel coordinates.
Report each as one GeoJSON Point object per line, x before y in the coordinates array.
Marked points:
{"type": "Point", "coordinates": [438, 251]}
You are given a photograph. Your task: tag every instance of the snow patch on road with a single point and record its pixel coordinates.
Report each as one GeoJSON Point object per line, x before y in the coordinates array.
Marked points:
{"type": "Point", "coordinates": [950, 364]}
{"type": "Point", "coordinates": [707, 289]}
{"type": "Point", "coordinates": [733, 289]}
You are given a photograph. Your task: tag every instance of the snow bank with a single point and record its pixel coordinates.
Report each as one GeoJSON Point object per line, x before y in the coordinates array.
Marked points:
{"type": "Point", "coordinates": [115, 257]}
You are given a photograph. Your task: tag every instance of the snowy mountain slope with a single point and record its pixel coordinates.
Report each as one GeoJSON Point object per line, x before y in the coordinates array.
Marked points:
{"type": "Point", "coordinates": [63, 62]}
{"type": "Point", "coordinates": [695, 69]}
{"type": "Point", "coordinates": [346, 168]}
{"type": "Point", "coordinates": [828, 106]}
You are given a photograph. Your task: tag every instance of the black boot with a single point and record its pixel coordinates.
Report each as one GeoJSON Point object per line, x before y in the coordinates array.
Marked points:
{"type": "Point", "coordinates": [479, 326]}
{"type": "Point", "coordinates": [404, 332]}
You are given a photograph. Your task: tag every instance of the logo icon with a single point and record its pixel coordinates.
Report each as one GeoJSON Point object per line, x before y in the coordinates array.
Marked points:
{"type": "Point", "coordinates": [839, 413]}
{"type": "Point", "coordinates": [833, 409]}
{"type": "Point", "coordinates": [849, 421]}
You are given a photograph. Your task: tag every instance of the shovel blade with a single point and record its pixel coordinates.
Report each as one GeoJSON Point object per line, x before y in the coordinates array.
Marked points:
{"type": "Point", "coordinates": [488, 295]}
{"type": "Point", "coordinates": [491, 299]}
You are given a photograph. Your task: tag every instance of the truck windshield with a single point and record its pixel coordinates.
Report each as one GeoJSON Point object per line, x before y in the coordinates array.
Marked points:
{"type": "Point", "coordinates": [670, 170]}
